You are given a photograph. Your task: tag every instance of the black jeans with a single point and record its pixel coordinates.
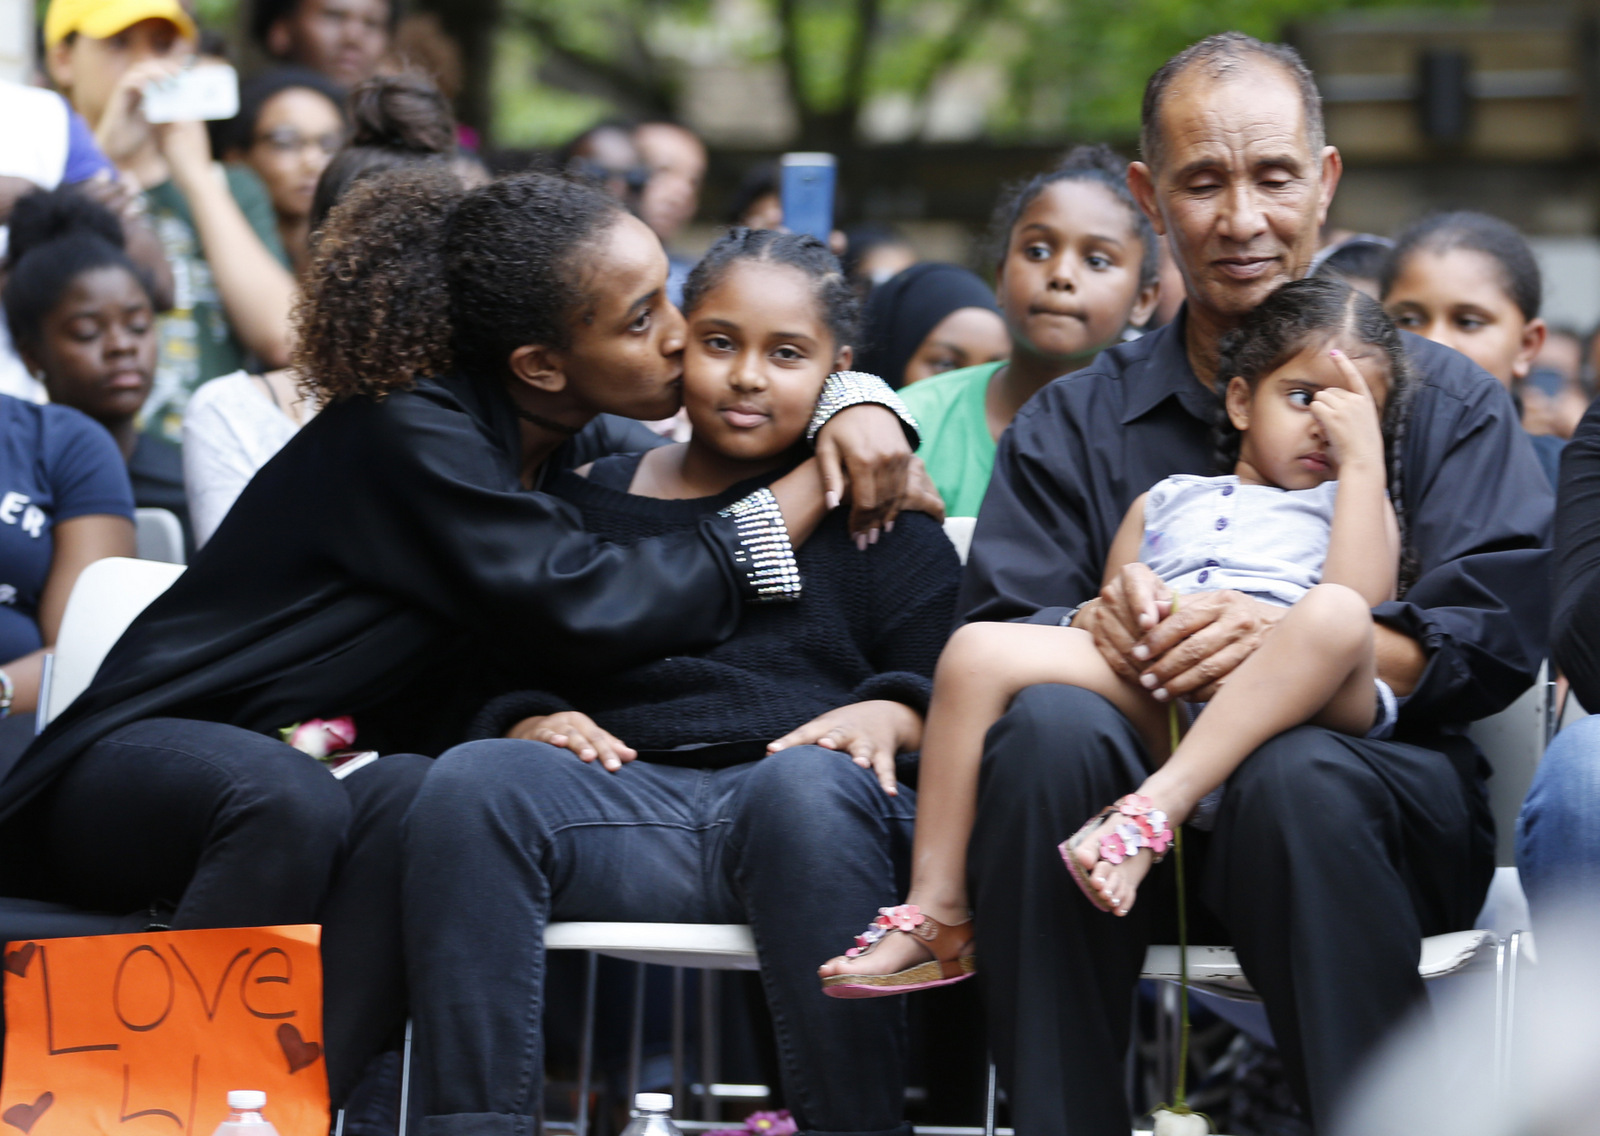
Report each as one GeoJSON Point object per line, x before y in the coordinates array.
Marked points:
{"type": "Point", "coordinates": [1331, 858]}
{"type": "Point", "coordinates": [228, 828]}
{"type": "Point", "coordinates": [506, 836]}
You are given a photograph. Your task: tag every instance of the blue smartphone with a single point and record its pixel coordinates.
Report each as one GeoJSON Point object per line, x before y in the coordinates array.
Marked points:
{"type": "Point", "coordinates": [807, 192]}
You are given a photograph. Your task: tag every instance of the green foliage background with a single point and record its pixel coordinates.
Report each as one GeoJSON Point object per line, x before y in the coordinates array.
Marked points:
{"type": "Point", "coordinates": [1068, 68]}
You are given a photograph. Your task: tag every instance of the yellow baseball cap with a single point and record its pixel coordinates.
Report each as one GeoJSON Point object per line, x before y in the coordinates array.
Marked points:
{"type": "Point", "coordinates": [102, 19]}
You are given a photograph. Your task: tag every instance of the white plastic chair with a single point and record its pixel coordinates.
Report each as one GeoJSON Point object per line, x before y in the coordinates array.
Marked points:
{"type": "Point", "coordinates": [108, 595]}
{"type": "Point", "coordinates": [158, 535]}
{"type": "Point", "coordinates": [960, 530]}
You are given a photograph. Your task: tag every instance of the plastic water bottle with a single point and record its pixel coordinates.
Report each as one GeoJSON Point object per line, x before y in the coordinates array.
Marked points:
{"type": "Point", "coordinates": [244, 1115]}
{"type": "Point", "coordinates": [652, 1116]}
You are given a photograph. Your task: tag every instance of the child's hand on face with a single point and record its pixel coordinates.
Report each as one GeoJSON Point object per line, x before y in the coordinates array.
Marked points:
{"type": "Point", "coordinates": [1349, 420]}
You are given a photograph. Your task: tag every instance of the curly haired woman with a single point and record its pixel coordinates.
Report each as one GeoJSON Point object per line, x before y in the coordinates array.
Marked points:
{"type": "Point", "coordinates": [394, 553]}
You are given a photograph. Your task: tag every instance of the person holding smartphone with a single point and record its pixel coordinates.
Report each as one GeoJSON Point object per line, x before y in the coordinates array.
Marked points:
{"type": "Point", "coordinates": [233, 287]}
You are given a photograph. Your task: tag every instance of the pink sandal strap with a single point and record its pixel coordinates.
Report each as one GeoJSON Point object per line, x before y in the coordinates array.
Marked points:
{"type": "Point", "coordinates": [942, 941]}
{"type": "Point", "coordinates": [1142, 826]}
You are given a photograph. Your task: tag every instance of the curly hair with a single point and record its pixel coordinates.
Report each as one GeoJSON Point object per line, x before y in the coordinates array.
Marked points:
{"type": "Point", "coordinates": [374, 315]}
{"type": "Point", "coordinates": [415, 276]}
{"type": "Point", "coordinates": [1097, 164]}
{"type": "Point", "coordinates": [1295, 317]}
{"type": "Point", "coordinates": [837, 302]}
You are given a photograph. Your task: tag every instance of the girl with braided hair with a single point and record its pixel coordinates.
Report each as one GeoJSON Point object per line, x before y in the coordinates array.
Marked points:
{"type": "Point", "coordinates": [1308, 517]}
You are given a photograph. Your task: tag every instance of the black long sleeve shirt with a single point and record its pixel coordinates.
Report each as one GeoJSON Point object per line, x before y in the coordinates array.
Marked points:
{"type": "Point", "coordinates": [1478, 512]}
{"type": "Point", "coordinates": [383, 563]}
{"type": "Point", "coordinates": [1576, 630]}
{"type": "Point", "coordinates": [870, 625]}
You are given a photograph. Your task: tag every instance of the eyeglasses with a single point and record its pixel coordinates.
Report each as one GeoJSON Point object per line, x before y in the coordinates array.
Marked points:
{"type": "Point", "coordinates": [285, 142]}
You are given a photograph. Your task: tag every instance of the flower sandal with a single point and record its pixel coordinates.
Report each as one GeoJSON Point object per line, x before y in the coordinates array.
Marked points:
{"type": "Point", "coordinates": [1143, 826]}
{"type": "Point", "coordinates": [951, 948]}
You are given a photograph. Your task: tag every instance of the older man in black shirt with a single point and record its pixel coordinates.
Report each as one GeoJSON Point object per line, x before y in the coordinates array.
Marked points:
{"type": "Point", "coordinates": [1331, 856]}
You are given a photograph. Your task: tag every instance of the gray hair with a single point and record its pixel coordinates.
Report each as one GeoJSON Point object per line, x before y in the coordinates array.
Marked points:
{"type": "Point", "coordinates": [1225, 56]}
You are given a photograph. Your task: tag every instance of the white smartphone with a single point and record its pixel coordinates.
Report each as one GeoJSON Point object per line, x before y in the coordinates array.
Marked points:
{"type": "Point", "coordinates": [198, 94]}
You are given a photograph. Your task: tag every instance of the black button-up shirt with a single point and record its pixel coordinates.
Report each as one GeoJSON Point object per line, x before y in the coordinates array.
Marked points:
{"type": "Point", "coordinates": [1478, 511]}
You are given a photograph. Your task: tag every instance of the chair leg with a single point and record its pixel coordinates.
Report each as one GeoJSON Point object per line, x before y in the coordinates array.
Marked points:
{"type": "Point", "coordinates": [710, 1038]}
{"type": "Point", "coordinates": [338, 1123]}
{"type": "Point", "coordinates": [989, 1095]}
{"type": "Point", "coordinates": [677, 1038]}
{"type": "Point", "coordinates": [405, 1086]}
{"type": "Point", "coordinates": [636, 1034]}
{"type": "Point", "coordinates": [1509, 1021]}
{"type": "Point", "coordinates": [1499, 1063]}
{"type": "Point", "coordinates": [591, 981]}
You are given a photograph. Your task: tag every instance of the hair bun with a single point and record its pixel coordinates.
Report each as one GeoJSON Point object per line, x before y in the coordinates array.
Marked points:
{"type": "Point", "coordinates": [403, 112]}
{"type": "Point", "coordinates": [41, 217]}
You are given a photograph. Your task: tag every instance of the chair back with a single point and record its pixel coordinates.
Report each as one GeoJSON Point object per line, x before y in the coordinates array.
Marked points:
{"type": "Point", "coordinates": [158, 535]}
{"type": "Point", "coordinates": [959, 530]}
{"type": "Point", "coordinates": [108, 595]}
{"type": "Point", "coordinates": [1513, 741]}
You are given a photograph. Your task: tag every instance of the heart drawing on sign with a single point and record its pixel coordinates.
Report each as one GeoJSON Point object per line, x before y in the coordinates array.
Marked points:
{"type": "Point", "coordinates": [17, 961]}
{"type": "Point", "coordinates": [299, 1051]}
{"type": "Point", "coordinates": [25, 1116]}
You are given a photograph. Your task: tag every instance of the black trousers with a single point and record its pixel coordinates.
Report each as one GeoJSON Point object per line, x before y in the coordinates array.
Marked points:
{"type": "Point", "coordinates": [228, 828]}
{"type": "Point", "coordinates": [1330, 860]}
{"type": "Point", "coordinates": [509, 835]}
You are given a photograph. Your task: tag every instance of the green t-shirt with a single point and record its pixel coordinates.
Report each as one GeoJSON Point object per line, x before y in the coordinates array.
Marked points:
{"type": "Point", "coordinates": [956, 446]}
{"type": "Point", "coordinates": [197, 343]}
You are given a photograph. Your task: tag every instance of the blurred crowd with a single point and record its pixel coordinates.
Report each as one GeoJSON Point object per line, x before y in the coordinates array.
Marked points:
{"type": "Point", "coordinates": [157, 274]}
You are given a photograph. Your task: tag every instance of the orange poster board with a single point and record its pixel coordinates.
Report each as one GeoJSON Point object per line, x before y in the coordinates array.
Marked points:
{"type": "Point", "coordinates": [145, 1035]}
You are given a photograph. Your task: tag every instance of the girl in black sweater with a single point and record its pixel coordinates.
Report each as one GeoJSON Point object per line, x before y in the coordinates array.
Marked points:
{"type": "Point", "coordinates": [849, 667]}
{"type": "Point", "coordinates": [750, 785]}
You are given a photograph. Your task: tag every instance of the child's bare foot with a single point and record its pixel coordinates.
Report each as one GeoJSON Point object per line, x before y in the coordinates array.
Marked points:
{"type": "Point", "coordinates": [937, 938]}
{"type": "Point", "coordinates": [1109, 859]}
{"type": "Point", "coordinates": [1115, 885]}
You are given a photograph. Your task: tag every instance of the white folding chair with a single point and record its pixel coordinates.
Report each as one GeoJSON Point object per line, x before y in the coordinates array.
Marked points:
{"type": "Point", "coordinates": [1513, 741]}
{"type": "Point", "coordinates": [158, 535]}
{"type": "Point", "coordinates": [109, 594]}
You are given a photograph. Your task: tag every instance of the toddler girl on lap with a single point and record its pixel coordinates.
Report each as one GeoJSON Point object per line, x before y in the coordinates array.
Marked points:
{"type": "Point", "coordinates": [1314, 388]}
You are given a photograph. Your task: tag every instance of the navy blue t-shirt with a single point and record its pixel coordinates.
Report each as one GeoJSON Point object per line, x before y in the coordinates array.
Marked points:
{"type": "Point", "coordinates": [56, 463]}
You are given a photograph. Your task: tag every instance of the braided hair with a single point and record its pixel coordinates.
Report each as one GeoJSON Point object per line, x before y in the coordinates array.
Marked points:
{"type": "Point", "coordinates": [837, 302]}
{"type": "Point", "coordinates": [1296, 316]}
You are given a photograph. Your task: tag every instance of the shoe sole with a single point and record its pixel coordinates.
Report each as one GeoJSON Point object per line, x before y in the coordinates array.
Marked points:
{"type": "Point", "coordinates": [924, 976]}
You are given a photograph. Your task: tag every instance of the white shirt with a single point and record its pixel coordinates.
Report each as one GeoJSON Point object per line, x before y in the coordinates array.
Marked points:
{"type": "Point", "coordinates": [231, 429]}
{"type": "Point", "coordinates": [1211, 533]}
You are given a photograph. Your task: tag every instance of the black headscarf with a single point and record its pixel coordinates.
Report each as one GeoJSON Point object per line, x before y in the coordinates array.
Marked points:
{"type": "Point", "coordinates": [904, 309]}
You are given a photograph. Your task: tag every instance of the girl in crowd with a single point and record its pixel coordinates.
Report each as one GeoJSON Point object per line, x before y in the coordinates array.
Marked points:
{"type": "Point", "coordinates": [64, 495]}
{"type": "Point", "coordinates": [234, 424]}
{"type": "Point", "coordinates": [1470, 281]}
{"type": "Point", "coordinates": [685, 769]}
{"type": "Point", "coordinates": [394, 553]}
{"type": "Point", "coordinates": [290, 125]}
{"type": "Point", "coordinates": [1077, 268]}
{"type": "Point", "coordinates": [1315, 385]}
{"type": "Point", "coordinates": [83, 319]}
{"type": "Point", "coordinates": [929, 319]}
{"type": "Point", "coordinates": [217, 227]}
